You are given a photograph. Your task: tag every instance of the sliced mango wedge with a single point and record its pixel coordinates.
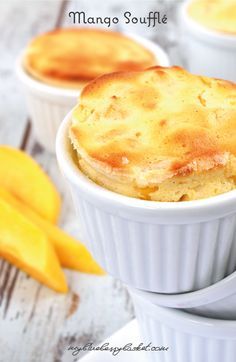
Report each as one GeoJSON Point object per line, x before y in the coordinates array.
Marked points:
{"type": "Point", "coordinates": [71, 253]}
{"type": "Point", "coordinates": [24, 178]}
{"type": "Point", "coordinates": [23, 244]}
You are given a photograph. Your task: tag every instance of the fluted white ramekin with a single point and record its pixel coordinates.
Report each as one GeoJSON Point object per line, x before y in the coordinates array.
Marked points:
{"type": "Point", "coordinates": [207, 52]}
{"type": "Point", "coordinates": [48, 105]}
{"type": "Point", "coordinates": [190, 338]}
{"type": "Point", "coordinates": [156, 246]}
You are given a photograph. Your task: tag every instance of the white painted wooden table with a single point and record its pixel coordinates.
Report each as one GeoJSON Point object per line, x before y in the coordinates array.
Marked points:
{"type": "Point", "coordinates": [37, 324]}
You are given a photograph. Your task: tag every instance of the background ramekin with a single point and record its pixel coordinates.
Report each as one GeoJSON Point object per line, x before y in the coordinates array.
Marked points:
{"type": "Point", "coordinates": [48, 105]}
{"type": "Point", "coordinates": [190, 338]}
{"type": "Point", "coordinates": [156, 246]}
{"type": "Point", "coordinates": [207, 52]}
{"type": "Point", "coordinates": [216, 301]}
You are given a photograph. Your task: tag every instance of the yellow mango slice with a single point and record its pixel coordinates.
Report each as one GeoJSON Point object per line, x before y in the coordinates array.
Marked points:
{"type": "Point", "coordinates": [25, 179]}
{"type": "Point", "coordinates": [71, 253]}
{"type": "Point", "coordinates": [23, 244]}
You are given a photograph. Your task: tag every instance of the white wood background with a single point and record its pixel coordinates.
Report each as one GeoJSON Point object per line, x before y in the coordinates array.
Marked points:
{"type": "Point", "coordinates": [37, 324]}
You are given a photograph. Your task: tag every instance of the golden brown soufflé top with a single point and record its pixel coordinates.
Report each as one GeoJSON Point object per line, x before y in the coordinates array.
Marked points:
{"type": "Point", "coordinates": [160, 134]}
{"type": "Point", "coordinates": [71, 57]}
{"type": "Point", "coordinates": [218, 15]}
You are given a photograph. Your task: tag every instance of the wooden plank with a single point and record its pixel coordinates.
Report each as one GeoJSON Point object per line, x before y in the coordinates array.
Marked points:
{"type": "Point", "coordinates": [39, 325]}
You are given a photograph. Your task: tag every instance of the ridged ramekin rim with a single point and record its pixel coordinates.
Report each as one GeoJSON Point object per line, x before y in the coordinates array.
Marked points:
{"type": "Point", "coordinates": [189, 323]}
{"type": "Point", "coordinates": [202, 297]}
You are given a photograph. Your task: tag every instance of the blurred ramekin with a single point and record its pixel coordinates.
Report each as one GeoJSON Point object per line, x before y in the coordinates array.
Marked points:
{"type": "Point", "coordinates": [190, 338]}
{"type": "Point", "coordinates": [157, 246]}
{"type": "Point", "coordinates": [207, 52]}
{"type": "Point", "coordinates": [48, 105]}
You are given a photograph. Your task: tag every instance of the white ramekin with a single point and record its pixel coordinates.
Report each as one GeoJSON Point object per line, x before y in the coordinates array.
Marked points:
{"type": "Point", "coordinates": [156, 246]}
{"type": "Point", "coordinates": [207, 52]}
{"type": "Point", "coordinates": [216, 301]}
{"type": "Point", "coordinates": [190, 338]}
{"type": "Point", "coordinates": [48, 105]}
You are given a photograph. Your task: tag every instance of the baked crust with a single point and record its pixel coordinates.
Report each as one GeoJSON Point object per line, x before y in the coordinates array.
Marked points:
{"type": "Point", "coordinates": [71, 57]}
{"type": "Point", "coordinates": [219, 15]}
{"type": "Point", "coordinates": [138, 133]}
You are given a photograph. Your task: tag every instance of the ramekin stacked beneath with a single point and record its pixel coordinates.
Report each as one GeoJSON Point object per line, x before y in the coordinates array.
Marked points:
{"type": "Point", "coordinates": [188, 337]}
{"type": "Point", "coordinates": [162, 248]}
